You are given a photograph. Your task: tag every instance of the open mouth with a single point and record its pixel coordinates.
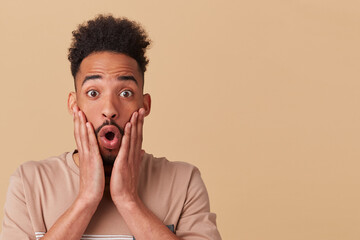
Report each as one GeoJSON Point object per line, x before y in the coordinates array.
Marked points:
{"type": "Point", "coordinates": [109, 137]}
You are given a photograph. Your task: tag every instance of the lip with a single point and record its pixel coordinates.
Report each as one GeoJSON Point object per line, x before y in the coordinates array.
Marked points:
{"type": "Point", "coordinates": [106, 143]}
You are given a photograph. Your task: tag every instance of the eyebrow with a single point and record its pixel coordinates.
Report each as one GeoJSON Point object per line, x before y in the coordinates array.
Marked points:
{"type": "Point", "coordinates": [121, 78]}
{"type": "Point", "coordinates": [127, 78]}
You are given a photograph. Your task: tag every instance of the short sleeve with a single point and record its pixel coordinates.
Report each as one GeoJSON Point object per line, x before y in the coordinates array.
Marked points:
{"type": "Point", "coordinates": [196, 220]}
{"type": "Point", "coordinates": [16, 222]}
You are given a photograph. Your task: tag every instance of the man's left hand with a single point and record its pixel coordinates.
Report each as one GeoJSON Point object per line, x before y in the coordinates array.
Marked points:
{"type": "Point", "coordinates": [126, 169]}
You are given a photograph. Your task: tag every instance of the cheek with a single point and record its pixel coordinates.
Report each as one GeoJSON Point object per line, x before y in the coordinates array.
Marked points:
{"type": "Point", "coordinates": [92, 114]}
{"type": "Point", "coordinates": [126, 112]}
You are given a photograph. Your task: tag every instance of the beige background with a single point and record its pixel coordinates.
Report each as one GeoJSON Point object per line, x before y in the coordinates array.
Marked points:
{"type": "Point", "coordinates": [263, 96]}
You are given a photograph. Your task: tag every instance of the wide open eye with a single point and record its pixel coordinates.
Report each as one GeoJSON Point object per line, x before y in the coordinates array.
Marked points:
{"type": "Point", "coordinates": [92, 93]}
{"type": "Point", "coordinates": [126, 93]}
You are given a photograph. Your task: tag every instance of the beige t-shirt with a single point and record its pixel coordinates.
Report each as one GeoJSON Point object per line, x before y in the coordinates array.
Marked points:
{"type": "Point", "coordinates": [41, 191]}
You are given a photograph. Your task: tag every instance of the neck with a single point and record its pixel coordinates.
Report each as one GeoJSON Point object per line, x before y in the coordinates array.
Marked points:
{"type": "Point", "coordinates": [107, 168]}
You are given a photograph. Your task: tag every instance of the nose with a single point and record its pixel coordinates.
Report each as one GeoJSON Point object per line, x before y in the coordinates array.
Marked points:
{"type": "Point", "coordinates": [109, 109]}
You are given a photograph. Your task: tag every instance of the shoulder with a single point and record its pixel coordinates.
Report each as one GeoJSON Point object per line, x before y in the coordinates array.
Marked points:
{"type": "Point", "coordinates": [162, 166]}
{"type": "Point", "coordinates": [37, 169]}
{"type": "Point", "coordinates": [29, 178]}
{"type": "Point", "coordinates": [176, 177]}
{"type": "Point", "coordinates": [162, 162]}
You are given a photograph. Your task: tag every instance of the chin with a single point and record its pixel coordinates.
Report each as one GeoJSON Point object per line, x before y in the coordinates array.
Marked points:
{"type": "Point", "coordinates": [108, 156]}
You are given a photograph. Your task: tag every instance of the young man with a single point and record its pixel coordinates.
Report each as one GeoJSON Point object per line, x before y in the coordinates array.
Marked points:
{"type": "Point", "coordinates": [108, 188]}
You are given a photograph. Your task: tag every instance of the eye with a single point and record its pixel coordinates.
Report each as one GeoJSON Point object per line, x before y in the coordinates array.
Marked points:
{"type": "Point", "coordinates": [126, 93]}
{"type": "Point", "coordinates": [92, 93]}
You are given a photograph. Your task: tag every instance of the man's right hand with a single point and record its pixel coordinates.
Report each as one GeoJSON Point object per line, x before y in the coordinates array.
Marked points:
{"type": "Point", "coordinates": [92, 178]}
{"type": "Point", "coordinates": [92, 184]}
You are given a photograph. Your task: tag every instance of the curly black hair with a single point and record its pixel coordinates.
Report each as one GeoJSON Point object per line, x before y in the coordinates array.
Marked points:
{"type": "Point", "coordinates": [106, 33]}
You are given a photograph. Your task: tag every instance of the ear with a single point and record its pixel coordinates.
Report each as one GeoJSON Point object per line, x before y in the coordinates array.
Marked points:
{"type": "Point", "coordinates": [71, 102]}
{"type": "Point", "coordinates": [147, 103]}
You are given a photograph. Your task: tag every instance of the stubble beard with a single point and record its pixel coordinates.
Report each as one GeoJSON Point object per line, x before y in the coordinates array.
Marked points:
{"type": "Point", "coordinates": [108, 155]}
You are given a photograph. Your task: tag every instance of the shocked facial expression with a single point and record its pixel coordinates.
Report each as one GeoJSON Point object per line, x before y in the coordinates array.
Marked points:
{"type": "Point", "coordinates": [109, 89]}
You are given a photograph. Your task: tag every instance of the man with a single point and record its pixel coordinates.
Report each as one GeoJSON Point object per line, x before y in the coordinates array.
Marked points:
{"type": "Point", "coordinates": [108, 188]}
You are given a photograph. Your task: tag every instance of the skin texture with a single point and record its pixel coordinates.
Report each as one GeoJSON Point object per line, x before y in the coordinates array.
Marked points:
{"type": "Point", "coordinates": [110, 95]}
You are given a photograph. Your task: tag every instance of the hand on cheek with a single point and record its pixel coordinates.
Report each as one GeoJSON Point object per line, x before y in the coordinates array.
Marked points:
{"type": "Point", "coordinates": [125, 173]}
{"type": "Point", "coordinates": [92, 179]}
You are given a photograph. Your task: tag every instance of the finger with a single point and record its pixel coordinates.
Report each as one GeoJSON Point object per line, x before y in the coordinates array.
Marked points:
{"type": "Point", "coordinates": [83, 133]}
{"type": "Point", "coordinates": [77, 129]}
{"type": "Point", "coordinates": [133, 138]}
{"type": "Point", "coordinates": [92, 139]}
{"type": "Point", "coordinates": [140, 125]}
{"type": "Point", "coordinates": [123, 154]}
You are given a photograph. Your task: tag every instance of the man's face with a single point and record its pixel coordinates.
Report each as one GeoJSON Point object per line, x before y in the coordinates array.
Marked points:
{"type": "Point", "coordinates": [109, 89]}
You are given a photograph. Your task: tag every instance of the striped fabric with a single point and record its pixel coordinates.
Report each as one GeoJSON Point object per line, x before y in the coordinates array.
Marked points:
{"type": "Point", "coordinates": [94, 237]}
{"type": "Point", "coordinates": [105, 237]}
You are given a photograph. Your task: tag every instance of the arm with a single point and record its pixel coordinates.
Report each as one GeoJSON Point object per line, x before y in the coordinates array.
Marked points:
{"type": "Point", "coordinates": [72, 224]}
{"type": "Point", "coordinates": [16, 221]}
{"type": "Point", "coordinates": [123, 185]}
{"type": "Point", "coordinates": [196, 221]}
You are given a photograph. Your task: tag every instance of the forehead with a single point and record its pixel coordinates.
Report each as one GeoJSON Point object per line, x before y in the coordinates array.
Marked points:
{"type": "Point", "coordinates": [108, 64]}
